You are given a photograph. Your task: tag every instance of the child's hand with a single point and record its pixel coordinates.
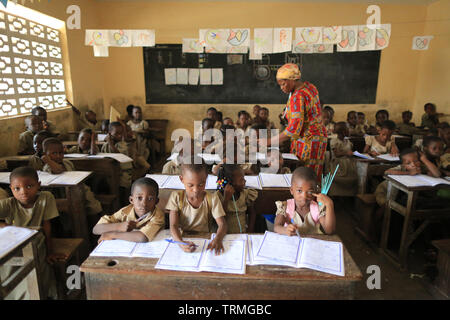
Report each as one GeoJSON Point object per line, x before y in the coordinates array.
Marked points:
{"type": "Point", "coordinates": [53, 257]}
{"type": "Point", "coordinates": [291, 229]}
{"type": "Point", "coordinates": [394, 151]}
{"type": "Point", "coordinates": [126, 226]}
{"type": "Point", "coordinates": [106, 236]}
{"type": "Point", "coordinates": [188, 248]}
{"type": "Point", "coordinates": [414, 170]}
{"type": "Point", "coordinates": [349, 152]}
{"type": "Point", "coordinates": [373, 153]}
{"type": "Point", "coordinates": [216, 245]}
{"type": "Point", "coordinates": [228, 191]}
{"type": "Point", "coordinates": [323, 198]}
{"type": "Point", "coordinates": [423, 157]}
{"type": "Point", "coordinates": [45, 158]}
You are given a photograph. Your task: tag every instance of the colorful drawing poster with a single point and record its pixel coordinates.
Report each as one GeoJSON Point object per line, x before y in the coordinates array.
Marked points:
{"type": "Point", "coordinates": [238, 49]}
{"type": "Point", "coordinates": [263, 40]}
{"type": "Point", "coordinates": [366, 38]}
{"type": "Point", "coordinates": [349, 40]}
{"type": "Point", "coordinates": [194, 75]}
{"type": "Point", "coordinates": [303, 48]}
{"type": "Point", "coordinates": [182, 76]}
{"type": "Point", "coordinates": [217, 76]}
{"type": "Point", "coordinates": [170, 75]}
{"type": "Point", "coordinates": [282, 40]}
{"type": "Point", "coordinates": [120, 38]}
{"type": "Point", "coordinates": [323, 48]}
{"type": "Point", "coordinates": [238, 37]}
{"type": "Point", "coordinates": [421, 42]}
{"type": "Point", "coordinates": [331, 35]}
{"type": "Point", "coordinates": [253, 55]}
{"type": "Point", "coordinates": [382, 36]}
{"type": "Point", "coordinates": [308, 35]}
{"type": "Point", "coordinates": [216, 38]}
{"type": "Point", "coordinates": [192, 46]}
{"type": "Point", "coordinates": [97, 38]}
{"type": "Point", "coordinates": [143, 38]}
{"type": "Point", "coordinates": [213, 49]}
{"type": "Point", "coordinates": [205, 77]}
{"type": "Point", "coordinates": [101, 51]}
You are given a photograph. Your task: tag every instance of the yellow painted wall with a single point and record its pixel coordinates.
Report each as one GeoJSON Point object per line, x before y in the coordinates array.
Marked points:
{"type": "Point", "coordinates": [433, 81]}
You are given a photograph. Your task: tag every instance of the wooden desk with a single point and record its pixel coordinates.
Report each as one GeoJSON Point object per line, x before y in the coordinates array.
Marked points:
{"type": "Point", "coordinates": [402, 142]}
{"type": "Point", "coordinates": [136, 278]}
{"type": "Point", "coordinates": [75, 143]}
{"type": "Point", "coordinates": [410, 214]}
{"type": "Point", "coordinates": [28, 269]}
{"type": "Point", "coordinates": [367, 168]}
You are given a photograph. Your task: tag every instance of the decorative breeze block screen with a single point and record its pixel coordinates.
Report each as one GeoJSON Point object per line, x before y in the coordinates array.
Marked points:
{"type": "Point", "coordinates": [31, 66]}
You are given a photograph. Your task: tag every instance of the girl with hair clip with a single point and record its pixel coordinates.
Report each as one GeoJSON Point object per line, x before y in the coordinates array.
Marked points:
{"type": "Point", "coordinates": [236, 200]}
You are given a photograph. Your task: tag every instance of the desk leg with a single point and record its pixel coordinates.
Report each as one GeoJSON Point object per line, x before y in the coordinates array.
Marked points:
{"type": "Point", "coordinates": [361, 169]}
{"type": "Point", "coordinates": [404, 244]}
{"type": "Point", "coordinates": [387, 218]}
{"type": "Point", "coordinates": [34, 285]}
{"type": "Point", "coordinates": [75, 196]}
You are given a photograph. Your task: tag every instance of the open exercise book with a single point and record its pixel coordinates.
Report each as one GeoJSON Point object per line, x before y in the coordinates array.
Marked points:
{"type": "Point", "coordinates": [12, 237]}
{"type": "Point", "coordinates": [320, 255]}
{"type": "Point", "coordinates": [420, 180]}
{"type": "Point", "coordinates": [47, 179]}
{"type": "Point", "coordinates": [119, 157]}
{"type": "Point", "coordinates": [208, 157]}
{"type": "Point", "coordinates": [388, 157]}
{"type": "Point", "coordinates": [273, 180]}
{"type": "Point", "coordinates": [364, 156]}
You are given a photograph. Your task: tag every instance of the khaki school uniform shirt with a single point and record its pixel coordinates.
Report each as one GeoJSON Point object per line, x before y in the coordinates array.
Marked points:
{"type": "Point", "coordinates": [77, 149]}
{"type": "Point", "coordinates": [26, 142]}
{"type": "Point", "coordinates": [306, 226]}
{"type": "Point", "coordinates": [44, 209]}
{"type": "Point", "coordinates": [195, 219]}
{"type": "Point", "coordinates": [340, 146]}
{"type": "Point", "coordinates": [3, 194]}
{"type": "Point", "coordinates": [246, 198]}
{"type": "Point", "coordinates": [68, 165]}
{"type": "Point", "coordinates": [149, 226]}
{"type": "Point", "coordinates": [36, 163]}
{"type": "Point", "coordinates": [377, 147]}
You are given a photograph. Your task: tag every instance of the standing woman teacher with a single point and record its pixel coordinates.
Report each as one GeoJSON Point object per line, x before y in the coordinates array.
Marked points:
{"type": "Point", "coordinates": [303, 113]}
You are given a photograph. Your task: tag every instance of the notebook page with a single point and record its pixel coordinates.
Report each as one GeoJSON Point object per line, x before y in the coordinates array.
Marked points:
{"type": "Point", "coordinates": [174, 258]}
{"type": "Point", "coordinates": [364, 156]}
{"type": "Point", "coordinates": [159, 178]}
{"type": "Point", "coordinates": [174, 182]}
{"type": "Point", "coordinates": [114, 248]}
{"type": "Point", "coordinates": [238, 236]}
{"type": "Point", "coordinates": [254, 242]}
{"type": "Point", "coordinates": [46, 178]}
{"type": "Point", "coordinates": [70, 177]}
{"type": "Point", "coordinates": [321, 255]}
{"type": "Point", "coordinates": [232, 260]}
{"type": "Point", "coordinates": [388, 157]}
{"type": "Point", "coordinates": [281, 248]}
{"type": "Point", "coordinates": [75, 155]}
{"type": "Point", "coordinates": [119, 157]}
{"type": "Point", "coordinates": [211, 182]}
{"type": "Point", "coordinates": [4, 177]}
{"type": "Point", "coordinates": [270, 180]}
{"type": "Point", "coordinates": [432, 180]}
{"type": "Point", "coordinates": [289, 156]}
{"type": "Point", "coordinates": [288, 177]}
{"type": "Point", "coordinates": [12, 237]}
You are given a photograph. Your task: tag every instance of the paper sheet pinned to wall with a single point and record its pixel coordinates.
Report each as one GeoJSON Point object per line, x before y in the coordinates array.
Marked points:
{"type": "Point", "coordinates": [101, 51]}
{"type": "Point", "coordinates": [323, 48]}
{"type": "Point", "coordinates": [193, 77]}
{"type": "Point", "coordinates": [349, 40]}
{"type": "Point", "coordinates": [366, 38]}
{"type": "Point", "coordinates": [263, 40]}
{"type": "Point", "coordinates": [308, 35]}
{"type": "Point", "coordinates": [120, 38]}
{"type": "Point", "coordinates": [191, 46]}
{"type": "Point", "coordinates": [182, 76]}
{"type": "Point", "coordinates": [205, 76]}
{"type": "Point", "coordinates": [421, 42]}
{"type": "Point", "coordinates": [170, 75]}
{"type": "Point", "coordinates": [282, 40]}
{"type": "Point", "coordinates": [143, 38]}
{"type": "Point", "coordinates": [253, 55]}
{"type": "Point", "coordinates": [97, 38]}
{"type": "Point", "coordinates": [382, 36]}
{"type": "Point", "coordinates": [332, 34]}
{"type": "Point", "coordinates": [217, 76]}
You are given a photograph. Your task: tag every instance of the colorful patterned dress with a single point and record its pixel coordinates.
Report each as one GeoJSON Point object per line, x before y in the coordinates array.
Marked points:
{"type": "Point", "coordinates": [308, 134]}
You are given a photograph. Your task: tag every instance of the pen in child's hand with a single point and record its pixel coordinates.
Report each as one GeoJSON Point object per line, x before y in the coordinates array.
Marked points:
{"type": "Point", "coordinates": [180, 242]}
{"type": "Point", "coordinates": [296, 230]}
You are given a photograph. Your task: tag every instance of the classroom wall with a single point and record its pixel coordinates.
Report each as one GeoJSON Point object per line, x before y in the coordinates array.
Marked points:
{"type": "Point", "coordinates": [123, 71]}
{"type": "Point", "coordinates": [433, 81]}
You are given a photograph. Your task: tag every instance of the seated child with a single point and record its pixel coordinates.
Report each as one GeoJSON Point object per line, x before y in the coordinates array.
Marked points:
{"type": "Point", "coordinates": [140, 221]}
{"type": "Point", "coordinates": [228, 121]}
{"type": "Point", "coordinates": [140, 164]}
{"type": "Point", "coordinates": [303, 213]}
{"type": "Point", "coordinates": [433, 149]}
{"type": "Point", "coordinates": [342, 152]}
{"type": "Point", "coordinates": [86, 119]}
{"type": "Point", "coordinates": [381, 116]}
{"type": "Point", "coordinates": [46, 125]}
{"type": "Point", "coordinates": [213, 114]}
{"type": "Point", "coordinates": [264, 118]}
{"type": "Point", "coordinates": [36, 159]}
{"type": "Point", "coordinates": [430, 118]}
{"type": "Point", "coordinates": [327, 119]}
{"type": "Point", "coordinates": [236, 199]}
{"type": "Point", "coordinates": [86, 143]}
{"type": "Point", "coordinates": [361, 125]}
{"type": "Point", "coordinates": [352, 121]}
{"type": "Point", "coordinates": [207, 124]}
{"type": "Point", "coordinates": [129, 115]}
{"type": "Point", "coordinates": [383, 142]}
{"type": "Point", "coordinates": [34, 125]}
{"type": "Point", "coordinates": [430, 133]}
{"type": "Point", "coordinates": [256, 109]}
{"type": "Point", "coordinates": [407, 127]}
{"type": "Point", "coordinates": [55, 164]}
{"type": "Point", "coordinates": [444, 133]}
{"type": "Point", "coordinates": [30, 207]}
{"type": "Point", "coordinates": [193, 209]}
{"type": "Point", "coordinates": [141, 130]}
{"type": "Point", "coordinates": [3, 194]}
{"type": "Point", "coordinates": [244, 121]}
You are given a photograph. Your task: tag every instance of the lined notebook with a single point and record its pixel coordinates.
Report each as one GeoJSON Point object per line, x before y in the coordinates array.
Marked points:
{"type": "Point", "coordinates": [388, 157]}
{"type": "Point", "coordinates": [12, 237]}
{"type": "Point", "coordinates": [119, 157]}
{"type": "Point", "coordinates": [420, 180]}
{"type": "Point", "coordinates": [69, 178]}
{"type": "Point", "coordinates": [363, 156]}
{"type": "Point", "coordinates": [272, 180]}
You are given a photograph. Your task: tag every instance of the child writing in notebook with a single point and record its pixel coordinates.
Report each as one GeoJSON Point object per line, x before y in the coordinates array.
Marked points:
{"type": "Point", "coordinates": [192, 209]}
{"type": "Point", "coordinates": [86, 143]}
{"type": "Point", "coordinates": [30, 207]}
{"type": "Point", "coordinates": [140, 221]}
{"type": "Point", "coordinates": [36, 161]}
{"type": "Point", "coordinates": [383, 142]}
{"type": "Point", "coordinates": [236, 200]}
{"type": "Point", "coordinates": [303, 213]}
{"type": "Point", "coordinates": [34, 125]}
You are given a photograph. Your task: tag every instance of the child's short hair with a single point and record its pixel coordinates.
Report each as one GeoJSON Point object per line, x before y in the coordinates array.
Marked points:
{"type": "Point", "coordinates": [137, 107]}
{"type": "Point", "coordinates": [264, 108]}
{"type": "Point", "coordinates": [338, 127]}
{"type": "Point", "coordinates": [204, 121]}
{"type": "Point", "coordinates": [361, 114]}
{"type": "Point", "coordinates": [382, 111]}
{"type": "Point", "coordinates": [350, 112]}
{"type": "Point", "coordinates": [243, 112]}
{"type": "Point", "coordinates": [429, 104]}
{"type": "Point", "coordinates": [406, 152]}
{"type": "Point", "coordinates": [29, 118]}
{"type": "Point", "coordinates": [211, 109]}
{"type": "Point", "coordinates": [85, 130]}
{"type": "Point", "coordinates": [330, 109]}
{"type": "Point", "coordinates": [225, 175]}
{"type": "Point", "coordinates": [196, 165]}
{"type": "Point", "coordinates": [407, 112]}
{"type": "Point", "coordinates": [225, 127]}
{"type": "Point", "coordinates": [388, 124]}
{"type": "Point", "coordinates": [23, 172]}
{"type": "Point", "coordinates": [148, 182]}
{"type": "Point", "coordinates": [305, 174]}
{"type": "Point", "coordinates": [430, 139]}
{"type": "Point", "coordinates": [130, 109]}
{"type": "Point", "coordinates": [114, 124]}
{"type": "Point", "coordinates": [258, 126]}
{"type": "Point", "coordinates": [50, 142]}
{"type": "Point", "coordinates": [44, 134]}
{"type": "Point", "coordinates": [35, 110]}
{"type": "Point", "coordinates": [227, 118]}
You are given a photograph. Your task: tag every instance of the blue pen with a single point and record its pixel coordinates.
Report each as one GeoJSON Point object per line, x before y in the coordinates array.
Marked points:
{"type": "Point", "coordinates": [179, 242]}
{"type": "Point", "coordinates": [296, 230]}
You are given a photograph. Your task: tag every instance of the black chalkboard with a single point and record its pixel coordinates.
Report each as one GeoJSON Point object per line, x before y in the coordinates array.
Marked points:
{"type": "Point", "coordinates": [341, 77]}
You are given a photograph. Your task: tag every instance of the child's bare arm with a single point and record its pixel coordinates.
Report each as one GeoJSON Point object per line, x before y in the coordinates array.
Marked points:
{"type": "Point", "coordinates": [55, 168]}
{"type": "Point", "coordinates": [134, 236]}
{"type": "Point", "coordinates": [328, 222]}
{"type": "Point", "coordinates": [394, 149]}
{"type": "Point", "coordinates": [217, 244]}
{"type": "Point", "coordinates": [175, 231]}
{"type": "Point", "coordinates": [279, 227]}
{"type": "Point", "coordinates": [124, 226]}
{"type": "Point", "coordinates": [431, 167]}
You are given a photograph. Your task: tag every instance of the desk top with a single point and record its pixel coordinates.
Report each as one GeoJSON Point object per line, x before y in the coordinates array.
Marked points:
{"type": "Point", "coordinates": [145, 266]}
{"type": "Point", "coordinates": [420, 188]}
{"type": "Point", "coordinates": [75, 143]}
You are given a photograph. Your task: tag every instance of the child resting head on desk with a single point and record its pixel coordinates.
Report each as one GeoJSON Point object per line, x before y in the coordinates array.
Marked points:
{"type": "Point", "coordinates": [86, 143]}
{"type": "Point", "coordinates": [36, 161]}
{"type": "Point", "coordinates": [236, 200]}
{"type": "Point", "coordinates": [140, 221]}
{"type": "Point", "coordinates": [302, 213]}
{"type": "Point", "coordinates": [383, 142]}
{"type": "Point", "coordinates": [193, 209]}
